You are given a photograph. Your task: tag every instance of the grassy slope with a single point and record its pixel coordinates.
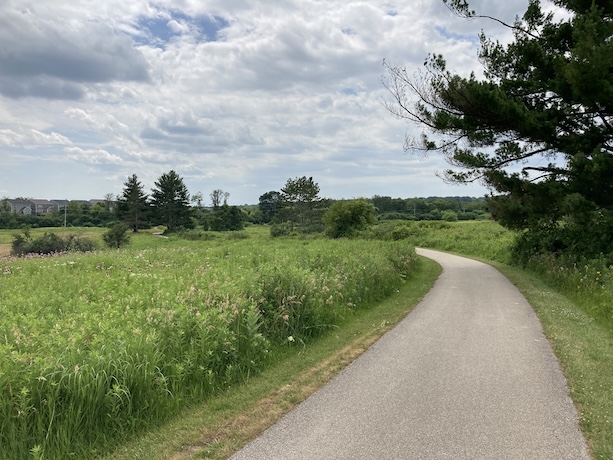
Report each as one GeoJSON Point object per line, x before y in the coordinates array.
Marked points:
{"type": "Point", "coordinates": [227, 422]}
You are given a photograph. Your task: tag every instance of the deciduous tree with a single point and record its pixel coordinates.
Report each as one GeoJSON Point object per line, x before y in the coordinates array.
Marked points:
{"type": "Point", "coordinates": [345, 218]}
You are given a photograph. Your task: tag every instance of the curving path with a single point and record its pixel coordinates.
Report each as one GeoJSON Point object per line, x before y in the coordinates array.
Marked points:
{"type": "Point", "coordinates": [467, 375]}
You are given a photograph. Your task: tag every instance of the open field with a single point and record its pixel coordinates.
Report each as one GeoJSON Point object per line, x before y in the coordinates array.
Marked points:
{"type": "Point", "coordinates": [572, 302]}
{"type": "Point", "coordinates": [98, 346]}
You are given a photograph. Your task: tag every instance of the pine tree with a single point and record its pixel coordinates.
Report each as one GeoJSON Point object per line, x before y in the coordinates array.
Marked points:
{"type": "Point", "coordinates": [537, 129]}
{"type": "Point", "coordinates": [132, 205]}
{"type": "Point", "coordinates": [170, 202]}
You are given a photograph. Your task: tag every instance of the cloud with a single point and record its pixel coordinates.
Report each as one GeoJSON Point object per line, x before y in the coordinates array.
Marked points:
{"type": "Point", "coordinates": [235, 95]}
{"type": "Point", "coordinates": [46, 56]}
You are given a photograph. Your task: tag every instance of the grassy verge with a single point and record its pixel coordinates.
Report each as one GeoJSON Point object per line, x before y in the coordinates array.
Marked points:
{"type": "Point", "coordinates": [225, 423]}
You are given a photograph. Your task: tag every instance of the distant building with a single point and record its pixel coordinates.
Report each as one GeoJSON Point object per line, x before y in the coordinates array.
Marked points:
{"type": "Point", "coordinates": [23, 207]}
{"type": "Point", "coordinates": [42, 207]}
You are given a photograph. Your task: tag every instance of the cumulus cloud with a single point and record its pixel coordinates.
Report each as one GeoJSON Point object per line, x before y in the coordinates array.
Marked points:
{"type": "Point", "coordinates": [52, 57]}
{"type": "Point", "coordinates": [235, 95]}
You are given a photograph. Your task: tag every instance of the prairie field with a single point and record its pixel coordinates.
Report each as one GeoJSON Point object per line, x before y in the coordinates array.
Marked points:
{"type": "Point", "coordinates": [98, 347]}
{"type": "Point", "coordinates": [95, 347]}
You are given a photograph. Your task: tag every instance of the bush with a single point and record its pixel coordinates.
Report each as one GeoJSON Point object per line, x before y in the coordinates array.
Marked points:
{"type": "Point", "coordinates": [283, 229]}
{"type": "Point", "coordinates": [49, 243]}
{"type": "Point", "coordinates": [346, 218]}
{"type": "Point", "coordinates": [116, 236]}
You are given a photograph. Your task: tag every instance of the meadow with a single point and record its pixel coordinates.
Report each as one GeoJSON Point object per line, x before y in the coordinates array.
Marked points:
{"type": "Point", "coordinates": [96, 347]}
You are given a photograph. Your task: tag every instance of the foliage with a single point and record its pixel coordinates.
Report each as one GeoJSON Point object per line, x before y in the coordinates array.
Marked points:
{"type": "Point", "coordinates": [217, 197]}
{"type": "Point", "coordinates": [538, 128]}
{"type": "Point", "coordinates": [107, 344]}
{"type": "Point", "coordinates": [227, 218]}
{"type": "Point", "coordinates": [116, 236]}
{"type": "Point", "coordinates": [269, 204]}
{"type": "Point", "coordinates": [132, 206]}
{"type": "Point", "coordinates": [49, 243]}
{"type": "Point", "coordinates": [431, 208]}
{"type": "Point", "coordinates": [300, 196]}
{"type": "Point", "coordinates": [345, 218]}
{"type": "Point", "coordinates": [281, 229]}
{"type": "Point", "coordinates": [170, 202]}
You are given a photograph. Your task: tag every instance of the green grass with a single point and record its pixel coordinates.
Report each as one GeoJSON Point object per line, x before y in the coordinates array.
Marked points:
{"type": "Point", "coordinates": [95, 347]}
{"type": "Point", "coordinates": [225, 423]}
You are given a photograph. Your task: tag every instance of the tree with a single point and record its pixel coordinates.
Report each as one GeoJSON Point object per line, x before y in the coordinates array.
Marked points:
{"type": "Point", "coordinates": [537, 128]}
{"type": "Point", "coordinates": [132, 206]}
{"type": "Point", "coordinates": [217, 196]}
{"type": "Point", "coordinates": [116, 236]}
{"type": "Point", "coordinates": [170, 202]}
{"type": "Point", "coordinates": [270, 203]}
{"type": "Point", "coordinates": [345, 218]}
{"type": "Point", "coordinates": [227, 218]}
{"type": "Point", "coordinates": [300, 196]}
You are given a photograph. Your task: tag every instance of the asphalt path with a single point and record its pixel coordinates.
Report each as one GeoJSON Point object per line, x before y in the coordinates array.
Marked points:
{"type": "Point", "coordinates": [467, 374]}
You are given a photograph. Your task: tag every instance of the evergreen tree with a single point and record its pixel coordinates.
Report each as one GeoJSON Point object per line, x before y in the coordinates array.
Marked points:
{"type": "Point", "coordinates": [537, 129]}
{"type": "Point", "coordinates": [170, 202]}
{"type": "Point", "coordinates": [132, 206]}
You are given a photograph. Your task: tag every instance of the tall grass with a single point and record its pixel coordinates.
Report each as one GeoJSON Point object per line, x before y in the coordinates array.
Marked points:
{"type": "Point", "coordinates": [96, 347]}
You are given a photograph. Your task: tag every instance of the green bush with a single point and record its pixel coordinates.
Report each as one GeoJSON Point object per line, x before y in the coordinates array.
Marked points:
{"type": "Point", "coordinates": [49, 243]}
{"type": "Point", "coordinates": [116, 236]}
{"type": "Point", "coordinates": [346, 218]}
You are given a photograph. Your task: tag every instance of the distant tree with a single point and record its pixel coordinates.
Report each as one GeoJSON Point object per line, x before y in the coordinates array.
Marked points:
{"type": "Point", "coordinates": [76, 213]}
{"type": "Point", "coordinates": [116, 236]}
{"type": "Point", "coordinates": [270, 203]}
{"type": "Point", "coordinates": [449, 215]}
{"type": "Point", "coordinates": [300, 195]}
{"type": "Point", "coordinates": [170, 202]}
{"type": "Point", "coordinates": [198, 199]}
{"type": "Point", "coordinates": [109, 201]}
{"type": "Point", "coordinates": [132, 206]}
{"type": "Point", "coordinates": [7, 219]}
{"type": "Point", "coordinates": [227, 218]}
{"type": "Point", "coordinates": [219, 197]}
{"type": "Point", "coordinates": [345, 218]}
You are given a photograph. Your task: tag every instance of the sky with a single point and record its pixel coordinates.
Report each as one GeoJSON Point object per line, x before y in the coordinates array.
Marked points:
{"type": "Point", "coordinates": [238, 95]}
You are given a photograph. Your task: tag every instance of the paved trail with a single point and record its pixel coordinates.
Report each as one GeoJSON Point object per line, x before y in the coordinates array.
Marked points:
{"type": "Point", "coordinates": [467, 375]}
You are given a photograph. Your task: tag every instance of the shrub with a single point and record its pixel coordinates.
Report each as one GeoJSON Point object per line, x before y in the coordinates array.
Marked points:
{"type": "Point", "coordinates": [116, 236]}
{"type": "Point", "coordinates": [49, 243]}
{"type": "Point", "coordinates": [283, 229]}
{"type": "Point", "coordinates": [345, 218]}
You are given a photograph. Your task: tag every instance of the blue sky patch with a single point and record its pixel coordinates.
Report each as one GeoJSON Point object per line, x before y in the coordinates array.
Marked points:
{"type": "Point", "coordinates": [160, 32]}
{"type": "Point", "coordinates": [461, 37]}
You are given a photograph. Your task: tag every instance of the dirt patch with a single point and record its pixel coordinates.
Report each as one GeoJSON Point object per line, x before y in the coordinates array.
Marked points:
{"type": "Point", "coordinates": [5, 250]}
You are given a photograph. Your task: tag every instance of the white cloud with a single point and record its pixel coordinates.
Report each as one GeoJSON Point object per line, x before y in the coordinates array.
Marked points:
{"type": "Point", "coordinates": [235, 95]}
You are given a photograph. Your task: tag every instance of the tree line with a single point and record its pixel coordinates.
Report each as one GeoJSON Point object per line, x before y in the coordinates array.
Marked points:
{"type": "Point", "coordinates": [296, 207]}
